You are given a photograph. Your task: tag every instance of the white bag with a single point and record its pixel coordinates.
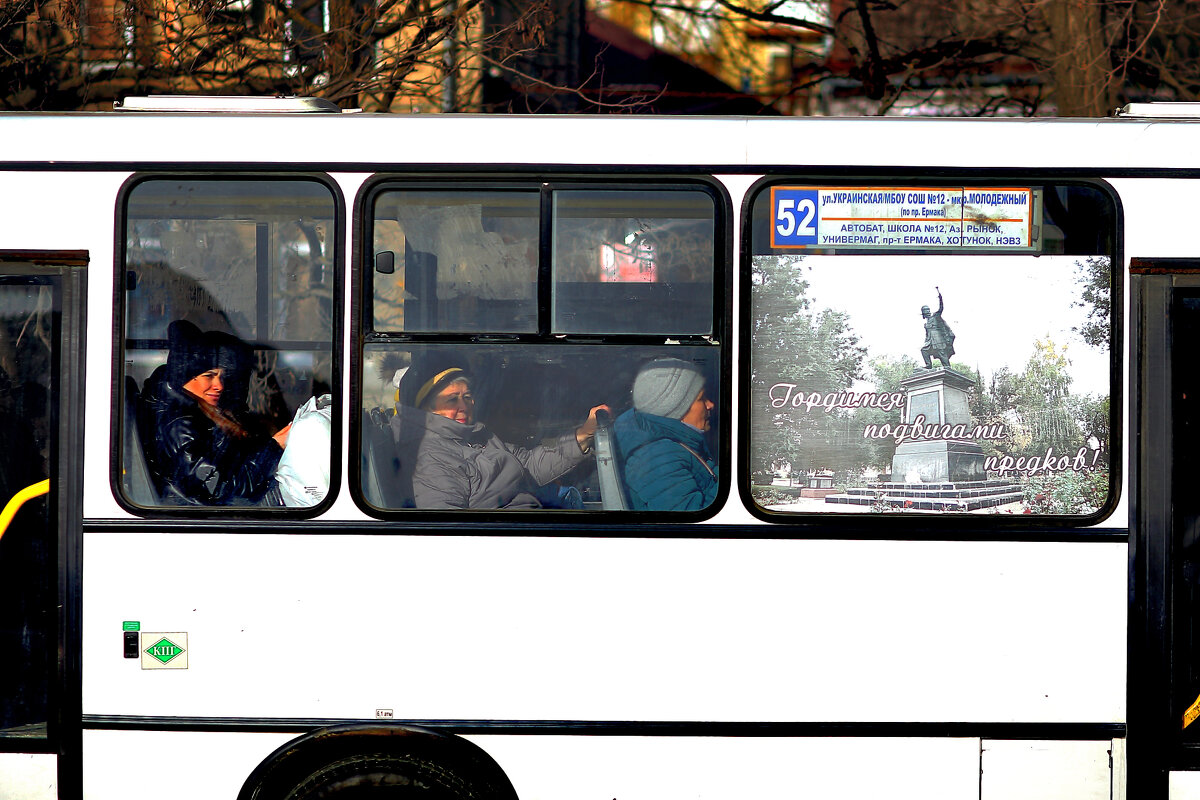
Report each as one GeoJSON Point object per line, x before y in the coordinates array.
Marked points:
{"type": "Point", "coordinates": [303, 471]}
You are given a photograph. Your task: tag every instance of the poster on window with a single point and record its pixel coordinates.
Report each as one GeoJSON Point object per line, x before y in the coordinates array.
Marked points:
{"type": "Point", "coordinates": [930, 384]}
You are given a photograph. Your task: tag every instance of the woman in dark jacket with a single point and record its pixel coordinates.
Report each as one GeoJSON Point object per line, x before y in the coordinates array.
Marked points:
{"type": "Point", "coordinates": [199, 449]}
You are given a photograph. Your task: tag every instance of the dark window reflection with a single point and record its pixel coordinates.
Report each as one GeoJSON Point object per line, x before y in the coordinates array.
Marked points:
{"type": "Point", "coordinates": [27, 550]}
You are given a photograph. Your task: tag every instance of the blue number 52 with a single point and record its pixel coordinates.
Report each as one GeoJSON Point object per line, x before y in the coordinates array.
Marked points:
{"type": "Point", "coordinates": [794, 217]}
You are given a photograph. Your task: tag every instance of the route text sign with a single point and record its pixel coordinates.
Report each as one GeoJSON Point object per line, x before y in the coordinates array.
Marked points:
{"type": "Point", "coordinates": [903, 217]}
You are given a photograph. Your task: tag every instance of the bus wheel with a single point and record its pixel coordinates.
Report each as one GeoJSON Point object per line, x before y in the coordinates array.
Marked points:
{"type": "Point", "coordinates": [383, 776]}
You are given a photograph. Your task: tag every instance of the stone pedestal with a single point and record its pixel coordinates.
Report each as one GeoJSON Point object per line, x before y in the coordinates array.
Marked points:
{"type": "Point", "coordinates": [939, 461]}
{"type": "Point", "coordinates": [937, 397]}
{"type": "Point", "coordinates": [940, 395]}
{"type": "Point", "coordinates": [929, 474]}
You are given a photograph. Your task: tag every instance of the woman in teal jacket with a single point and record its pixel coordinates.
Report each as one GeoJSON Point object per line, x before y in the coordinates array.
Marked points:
{"type": "Point", "coordinates": [666, 464]}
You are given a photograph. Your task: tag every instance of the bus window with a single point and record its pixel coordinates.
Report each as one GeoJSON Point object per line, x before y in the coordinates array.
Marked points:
{"type": "Point", "coordinates": [931, 349]}
{"type": "Point", "coordinates": [462, 261]}
{"type": "Point", "coordinates": [228, 326]}
{"type": "Point", "coordinates": [618, 255]}
{"type": "Point", "coordinates": [454, 420]}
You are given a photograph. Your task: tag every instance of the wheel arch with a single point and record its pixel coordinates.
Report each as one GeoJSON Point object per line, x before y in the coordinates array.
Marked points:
{"type": "Point", "coordinates": [301, 757]}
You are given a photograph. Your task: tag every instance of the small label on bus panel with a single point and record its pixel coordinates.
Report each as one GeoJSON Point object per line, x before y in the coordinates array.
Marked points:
{"type": "Point", "coordinates": [164, 650]}
{"type": "Point", "coordinates": [1192, 713]}
{"type": "Point", "coordinates": [903, 218]}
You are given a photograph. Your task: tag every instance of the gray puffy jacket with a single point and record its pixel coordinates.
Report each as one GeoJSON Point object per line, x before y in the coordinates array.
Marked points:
{"type": "Point", "coordinates": [451, 465]}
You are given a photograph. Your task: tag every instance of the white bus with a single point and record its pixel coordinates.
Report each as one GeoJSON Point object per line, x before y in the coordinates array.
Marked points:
{"type": "Point", "coordinates": [910, 514]}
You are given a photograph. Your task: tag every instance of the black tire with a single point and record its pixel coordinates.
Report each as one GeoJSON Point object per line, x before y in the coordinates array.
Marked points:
{"type": "Point", "coordinates": [384, 776]}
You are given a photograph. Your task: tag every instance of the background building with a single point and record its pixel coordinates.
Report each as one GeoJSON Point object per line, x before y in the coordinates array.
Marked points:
{"type": "Point", "coordinates": [609, 56]}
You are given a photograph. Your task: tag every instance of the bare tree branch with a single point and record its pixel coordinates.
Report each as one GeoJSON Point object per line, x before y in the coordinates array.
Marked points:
{"type": "Point", "coordinates": [70, 54]}
{"type": "Point", "coordinates": [999, 56]}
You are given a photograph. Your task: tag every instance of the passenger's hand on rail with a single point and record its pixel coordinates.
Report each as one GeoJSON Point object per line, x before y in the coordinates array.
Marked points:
{"type": "Point", "coordinates": [585, 432]}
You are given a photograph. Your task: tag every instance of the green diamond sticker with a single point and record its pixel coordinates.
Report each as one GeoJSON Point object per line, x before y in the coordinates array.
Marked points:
{"type": "Point", "coordinates": [164, 650]}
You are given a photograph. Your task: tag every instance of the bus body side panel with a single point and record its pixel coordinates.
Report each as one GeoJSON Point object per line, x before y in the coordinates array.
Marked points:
{"type": "Point", "coordinates": [784, 767]}
{"type": "Point", "coordinates": [663, 768]}
{"type": "Point", "coordinates": [501, 628]}
{"type": "Point", "coordinates": [28, 776]}
{"type": "Point", "coordinates": [575, 768]}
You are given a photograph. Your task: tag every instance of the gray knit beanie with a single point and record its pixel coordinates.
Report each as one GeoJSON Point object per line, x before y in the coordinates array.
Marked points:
{"type": "Point", "coordinates": [667, 387]}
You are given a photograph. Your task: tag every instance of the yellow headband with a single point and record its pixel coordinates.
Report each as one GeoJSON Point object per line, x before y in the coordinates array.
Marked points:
{"type": "Point", "coordinates": [434, 381]}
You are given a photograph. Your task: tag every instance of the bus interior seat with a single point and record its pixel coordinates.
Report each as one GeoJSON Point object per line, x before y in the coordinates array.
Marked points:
{"type": "Point", "coordinates": [374, 450]}
{"type": "Point", "coordinates": [135, 474]}
{"type": "Point", "coordinates": [381, 478]}
{"type": "Point", "coordinates": [612, 488]}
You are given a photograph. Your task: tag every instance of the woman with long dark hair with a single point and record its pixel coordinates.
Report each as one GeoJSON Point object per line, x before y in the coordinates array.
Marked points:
{"type": "Point", "coordinates": [201, 446]}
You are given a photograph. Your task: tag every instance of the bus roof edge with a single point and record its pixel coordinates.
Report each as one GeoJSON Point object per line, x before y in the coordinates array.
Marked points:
{"type": "Point", "coordinates": [225, 103]}
{"type": "Point", "coordinates": [1160, 110]}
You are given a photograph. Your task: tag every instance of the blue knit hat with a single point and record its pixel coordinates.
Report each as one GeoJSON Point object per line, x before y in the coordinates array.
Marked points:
{"type": "Point", "coordinates": [667, 387]}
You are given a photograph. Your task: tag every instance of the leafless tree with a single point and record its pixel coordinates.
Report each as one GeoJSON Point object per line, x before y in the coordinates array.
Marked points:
{"type": "Point", "coordinates": [1108, 53]}
{"type": "Point", "coordinates": [974, 57]}
{"type": "Point", "coordinates": [377, 54]}
{"type": "Point", "coordinates": [1071, 57]}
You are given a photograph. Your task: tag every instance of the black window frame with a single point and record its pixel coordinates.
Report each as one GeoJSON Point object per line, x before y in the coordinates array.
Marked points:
{"type": "Point", "coordinates": [1163, 657]}
{"type": "Point", "coordinates": [337, 333]}
{"type": "Point", "coordinates": [362, 316]}
{"type": "Point", "coordinates": [66, 271]}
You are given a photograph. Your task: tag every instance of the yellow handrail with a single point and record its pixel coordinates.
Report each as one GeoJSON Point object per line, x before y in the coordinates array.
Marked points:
{"type": "Point", "coordinates": [19, 499]}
